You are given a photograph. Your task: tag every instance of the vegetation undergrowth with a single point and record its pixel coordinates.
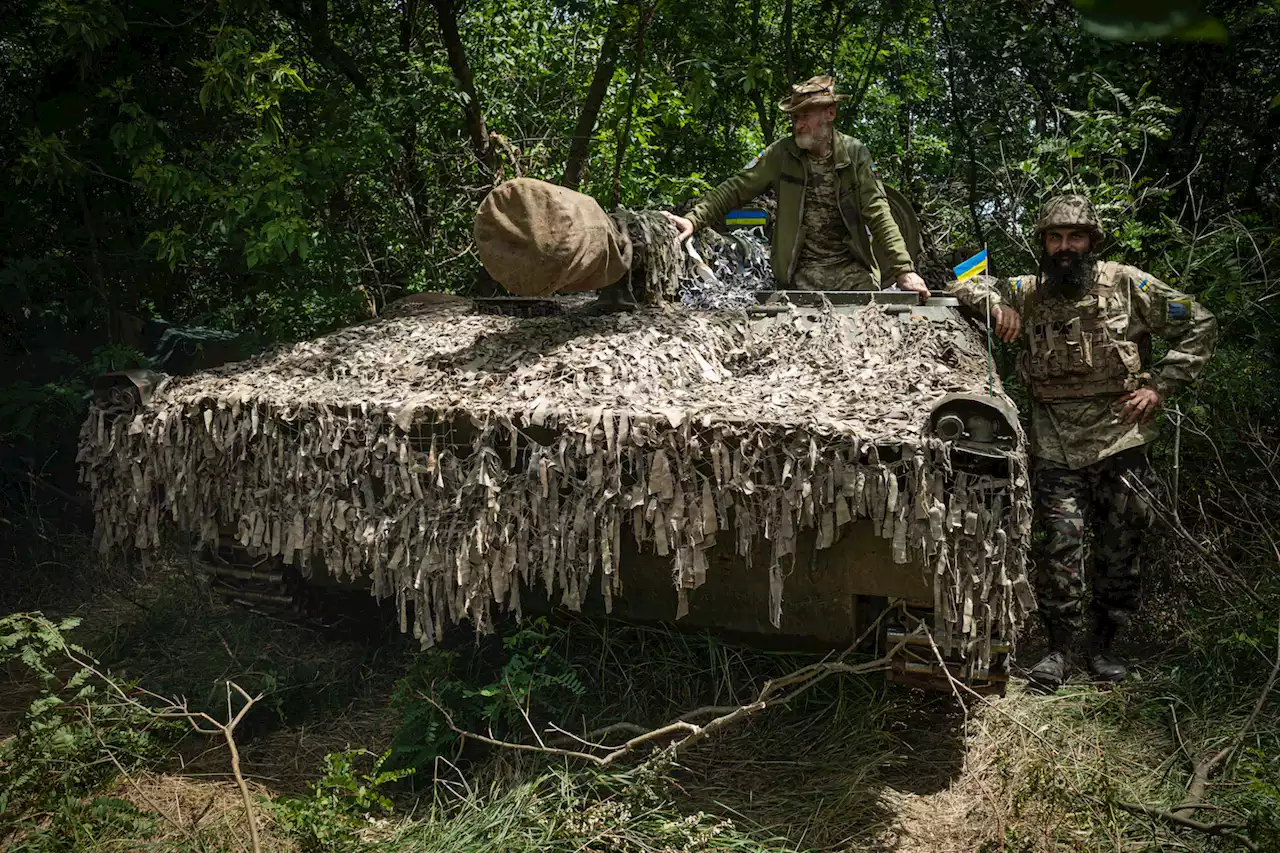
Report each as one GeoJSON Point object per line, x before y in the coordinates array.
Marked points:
{"type": "Point", "coordinates": [852, 765]}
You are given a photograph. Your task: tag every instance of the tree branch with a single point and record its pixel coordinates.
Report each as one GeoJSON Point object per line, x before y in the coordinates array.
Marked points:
{"type": "Point", "coordinates": [776, 692]}
{"type": "Point", "coordinates": [316, 25]}
{"type": "Point", "coordinates": [636, 74]}
{"type": "Point", "coordinates": [1225, 830]}
{"type": "Point", "coordinates": [871, 60]}
{"type": "Point", "coordinates": [447, 17]}
{"type": "Point", "coordinates": [1202, 772]}
{"type": "Point", "coordinates": [606, 64]}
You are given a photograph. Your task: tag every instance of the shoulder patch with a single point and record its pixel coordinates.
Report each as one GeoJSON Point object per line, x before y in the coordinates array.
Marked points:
{"type": "Point", "coordinates": [1144, 285]}
{"type": "Point", "coordinates": [755, 160]}
{"type": "Point", "coordinates": [1178, 309]}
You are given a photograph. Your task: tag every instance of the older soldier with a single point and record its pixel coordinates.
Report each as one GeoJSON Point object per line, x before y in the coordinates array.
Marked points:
{"type": "Point", "coordinates": [1087, 325]}
{"type": "Point", "coordinates": [828, 194]}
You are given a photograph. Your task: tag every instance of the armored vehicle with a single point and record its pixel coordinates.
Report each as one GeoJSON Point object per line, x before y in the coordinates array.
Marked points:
{"type": "Point", "coordinates": [816, 466]}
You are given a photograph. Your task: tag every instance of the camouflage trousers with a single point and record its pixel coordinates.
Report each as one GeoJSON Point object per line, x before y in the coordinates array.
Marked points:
{"type": "Point", "coordinates": [1103, 503]}
{"type": "Point", "coordinates": [834, 275]}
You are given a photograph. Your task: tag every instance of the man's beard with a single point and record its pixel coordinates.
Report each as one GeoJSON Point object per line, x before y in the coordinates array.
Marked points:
{"type": "Point", "coordinates": [1069, 274]}
{"type": "Point", "coordinates": [819, 139]}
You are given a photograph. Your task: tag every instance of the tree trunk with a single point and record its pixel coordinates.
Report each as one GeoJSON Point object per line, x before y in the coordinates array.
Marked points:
{"type": "Point", "coordinates": [315, 23]}
{"type": "Point", "coordinates": [447, 16]}
{"type": "Point", "coordinates": [1266, 145]}
{"type": "Point", "coordinates": [631, 105]}
{"type": "Point", "coordinates": [875, 55]}
{"type": "Point", "coordinates": [763, 110]}
{"type": "Point", "coordinates": [580, 147]}
{"type": "Point", "coordinates": [786, 43]}
{"type": "Point", "coordinates": [409, 164]}
{"type": "Point", "coordinates": [835, 41]}
{"type": "Point", "coordinates": [961, 123]}
{"type": "Point", "coordinates": [95, 266]}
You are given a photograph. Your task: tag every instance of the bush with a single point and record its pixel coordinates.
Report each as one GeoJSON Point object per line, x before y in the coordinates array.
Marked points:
{"type": "Point", "coordinates": [77, 733]}
{"type": "Point", "coordinates": [340, 803]}
{"type": "Point", "coordinates": [482, 691]}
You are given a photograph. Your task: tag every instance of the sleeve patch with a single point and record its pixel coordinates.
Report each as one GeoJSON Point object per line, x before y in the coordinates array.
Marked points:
{"type": "Point", "coordinates": [1178, 309]}
{"type": "Point", "coordinates": [754, 161]}
{"type": "Point", "coordinates": [1017, 285]}
{"type": "Point", "coordinates": [1144, 285]}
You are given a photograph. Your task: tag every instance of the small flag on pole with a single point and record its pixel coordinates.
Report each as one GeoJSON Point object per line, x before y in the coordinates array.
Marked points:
{"type": "Point", "coordinates": [972, 267]}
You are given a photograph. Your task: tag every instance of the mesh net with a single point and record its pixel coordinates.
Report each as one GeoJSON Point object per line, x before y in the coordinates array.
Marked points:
{"type": "Point", "coordinates": [455, 457]}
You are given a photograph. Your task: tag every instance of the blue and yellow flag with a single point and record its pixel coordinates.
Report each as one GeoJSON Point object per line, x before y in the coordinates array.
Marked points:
{"type": "Point", "coordinates": [747, 218]}
{"type": "Point", "coordinates": [972, 267]}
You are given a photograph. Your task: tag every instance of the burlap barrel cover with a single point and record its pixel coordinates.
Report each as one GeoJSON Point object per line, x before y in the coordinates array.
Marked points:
{"type": "Point", "coordinates": [537, 239]}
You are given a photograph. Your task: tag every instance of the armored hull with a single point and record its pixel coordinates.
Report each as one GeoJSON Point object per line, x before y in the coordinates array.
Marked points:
{"type": "Point", "coordinates": [794, 468]}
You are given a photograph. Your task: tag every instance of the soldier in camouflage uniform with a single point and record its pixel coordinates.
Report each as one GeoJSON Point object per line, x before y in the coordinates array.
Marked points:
{"type": "Point", "coordinates": [829, 198]}
{"type": "Point", "coordinates": [1087, 325]}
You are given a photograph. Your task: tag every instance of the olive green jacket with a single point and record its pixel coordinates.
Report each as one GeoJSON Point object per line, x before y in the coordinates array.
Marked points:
{"type": "Point", "coordinates": [784, 167]}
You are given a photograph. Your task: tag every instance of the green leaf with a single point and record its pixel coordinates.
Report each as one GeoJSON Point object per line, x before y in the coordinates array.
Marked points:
{"type": "Point", "coordinates": [1148, 20]}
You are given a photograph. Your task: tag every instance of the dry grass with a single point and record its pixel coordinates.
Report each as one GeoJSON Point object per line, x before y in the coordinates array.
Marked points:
{"type": "Point", "coordinates": [198, 813]}
{"type": "Point", "coordinates": [1046, 773]}
{"type": "Point", "coordinates": [289, 759]}
{"type": "Point", "coordinates": [854, 767]}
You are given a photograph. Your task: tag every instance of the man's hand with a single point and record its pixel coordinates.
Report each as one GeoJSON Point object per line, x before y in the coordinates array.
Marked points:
{"type": "Point", "coordinates": [1008, 324]}
{"type": "Point", "coordinates": [683, 225]}
{"type": "Point", "coordinates": [1138, 406]}
{"type": "Point", "coordinates": [913, 283]}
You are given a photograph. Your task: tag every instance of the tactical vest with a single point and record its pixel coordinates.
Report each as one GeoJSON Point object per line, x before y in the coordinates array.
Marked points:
{"type": "Point", "coordinates": [1080, 348]}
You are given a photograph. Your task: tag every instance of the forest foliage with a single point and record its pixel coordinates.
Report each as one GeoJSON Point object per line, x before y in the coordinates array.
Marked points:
{"type": "Point", "coordinates": [281, 167]}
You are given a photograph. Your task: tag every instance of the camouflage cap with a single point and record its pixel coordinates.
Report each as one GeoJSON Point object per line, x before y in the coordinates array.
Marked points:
{"type": "Point", "coordinates": [817, 91]}
{"type": "Point", "coordinates": [1065, 211]}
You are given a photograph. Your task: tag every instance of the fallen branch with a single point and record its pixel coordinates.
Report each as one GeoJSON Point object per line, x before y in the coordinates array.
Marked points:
{"type": "Point", "coordinates": [176, 709]}
{"type": "Point", "coordinates": [589, 738]}
{"type": "Point", "coordinates": [776, 692]}
{"type": "Point", "coordinates": [1224, 830]}
{"type": "Point", "coordinates": [1202, 771]}
{"type": "Point", "coordinates": [227, 730]}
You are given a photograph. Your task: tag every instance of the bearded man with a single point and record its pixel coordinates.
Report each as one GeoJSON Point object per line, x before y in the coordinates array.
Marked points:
{"type": "Point", "coordinates": [829, 196]}
{"type": "Point", "coordinates": [1087, 325]}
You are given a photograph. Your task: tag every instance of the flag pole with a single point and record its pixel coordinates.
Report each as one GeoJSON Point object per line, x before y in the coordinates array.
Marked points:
{"type": "Point", "coordinates": [991, 384]}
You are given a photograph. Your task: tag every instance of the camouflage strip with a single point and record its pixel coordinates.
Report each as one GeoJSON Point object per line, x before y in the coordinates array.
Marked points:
{"type": "Point", "coordinates": [667, 427]}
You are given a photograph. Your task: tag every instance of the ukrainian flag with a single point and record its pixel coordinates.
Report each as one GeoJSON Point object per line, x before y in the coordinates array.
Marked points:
{"type": "Point", "coordinates": [972, 267]}
{"type": "Point", "coordinates": [745, 218]}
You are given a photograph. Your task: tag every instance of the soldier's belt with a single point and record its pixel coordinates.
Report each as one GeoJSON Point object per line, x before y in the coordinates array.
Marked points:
{"type": "Point", "coordinates": [1047, 392]}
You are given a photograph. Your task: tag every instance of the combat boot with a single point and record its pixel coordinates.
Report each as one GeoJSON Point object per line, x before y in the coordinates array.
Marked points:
{"type": "Point", "coordinates": [1050, 672]}
{"type": "Point", "coordinates": [1103, 662]}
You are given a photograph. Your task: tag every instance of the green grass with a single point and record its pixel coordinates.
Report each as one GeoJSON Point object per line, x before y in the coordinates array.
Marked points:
{"type": "Point", "coordinates": [852, 765]}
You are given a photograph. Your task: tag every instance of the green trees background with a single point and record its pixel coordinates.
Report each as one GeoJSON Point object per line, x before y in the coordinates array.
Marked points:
{"type": "Point", "coordinates": [282, 167]}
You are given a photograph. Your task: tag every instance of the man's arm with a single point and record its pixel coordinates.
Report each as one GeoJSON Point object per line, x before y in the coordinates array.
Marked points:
{"type": "Point", "coordinates": [1184, 324]}
{"type": "Point", "coordinates": [874, 206]}
{"type": "Point", "coordinates": [999, 300]}
{"type": "Point", "coordinates": [737, 190]}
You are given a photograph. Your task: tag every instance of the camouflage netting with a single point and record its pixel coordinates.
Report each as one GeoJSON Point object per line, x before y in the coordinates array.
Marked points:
{"type": "Point", "coordinates": [452, 456]}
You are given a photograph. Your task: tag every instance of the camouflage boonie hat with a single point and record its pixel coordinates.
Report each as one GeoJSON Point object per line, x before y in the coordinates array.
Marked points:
{"type": "Point", "coordinates": [817, 91]}
{"type": "Point", "coordinates": [1069, 211]}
